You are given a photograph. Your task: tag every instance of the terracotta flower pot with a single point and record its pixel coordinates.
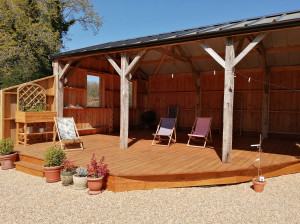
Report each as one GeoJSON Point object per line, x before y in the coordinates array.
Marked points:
{"type": "Point", "coordinates": [8, 161]}
{"type": "Point", "coordinates": [52, 174]}
{"type": "Point", "coordinates": [257, 185]}
{"type": "Point", "coordinates": [80, 183]}
{"type": "Point", "coordinates": [66, 178]}
{"type": "Point", "coordinates": [95, 185]}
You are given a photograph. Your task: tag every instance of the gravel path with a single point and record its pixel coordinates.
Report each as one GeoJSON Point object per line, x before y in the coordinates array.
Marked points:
{"type": "Point", "coordinates": [29, 199]}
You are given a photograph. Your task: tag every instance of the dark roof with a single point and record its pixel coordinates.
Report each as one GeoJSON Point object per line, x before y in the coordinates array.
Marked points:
{"type": "Point", "coordinates": [256, 24]}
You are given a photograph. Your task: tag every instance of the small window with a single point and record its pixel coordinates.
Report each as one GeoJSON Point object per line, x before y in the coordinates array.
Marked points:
{"type": "Point", "coordinates": [93, 91]}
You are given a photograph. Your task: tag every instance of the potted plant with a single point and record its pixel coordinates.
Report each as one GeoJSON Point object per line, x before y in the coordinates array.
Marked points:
{"type": "Point", "coordinates": [259, 182]}
{"type": "Point", "coordinates": [80, 178]}
{"type": "Point", "coordinates": [67, 172]}
{"type": "Point", "coordinates": [54, 158]}
{"type": "Point", "coordinates": [96, 173]}
{"type": "Point", "coordinates": [7, 154]}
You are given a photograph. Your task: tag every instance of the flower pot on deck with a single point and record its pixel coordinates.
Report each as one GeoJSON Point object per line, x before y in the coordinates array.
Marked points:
{"type": "Point", "coordinates": [52, 173]}
{"type": "Point", "coordinates": [80, 183]}
{"type": "Point", "coordinates": [8, 161]}
{"type": "Point", "coordinates": [258, 186]}
{"type": "Point", "coordinates": [66, 177]}
{"type": "Point", "coordinates": [95, 185]}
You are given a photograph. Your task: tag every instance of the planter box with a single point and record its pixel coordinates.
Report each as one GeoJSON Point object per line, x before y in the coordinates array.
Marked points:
{"type": "Point", "coordinates": [35, 117]}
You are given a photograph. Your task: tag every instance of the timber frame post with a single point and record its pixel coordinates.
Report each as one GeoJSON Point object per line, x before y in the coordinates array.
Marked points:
{"type": "Point", "coordinates": [229, 65]}
{"type": "Point", "coordinates": [57, 71]}
{"type": "Point", "coordinates": [228, 100]}
{"type": "Point", "coordinates": [125, 76]}
{"type": "Point", "coordinates": [124, 104]}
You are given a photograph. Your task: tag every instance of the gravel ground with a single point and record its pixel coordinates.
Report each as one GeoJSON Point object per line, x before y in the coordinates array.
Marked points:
{"type": "Point", "coordinates": [29, 199]}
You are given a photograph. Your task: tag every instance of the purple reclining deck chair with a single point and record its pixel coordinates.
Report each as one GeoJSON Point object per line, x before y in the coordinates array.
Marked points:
{"type": "Point", "coordinates": [165, 128]}
{"type": "Point", "coordinates": [201, 129]}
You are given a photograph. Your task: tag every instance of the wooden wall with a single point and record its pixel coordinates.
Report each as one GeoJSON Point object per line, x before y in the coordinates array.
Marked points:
{"type": "Point", "coordinates": [9, 105]}
{"type": "Point", "coordinates": [179, 91]}
{"type": "Point", "coordinates": [284, 105]}
{"type": "Point", "coordinates": [107, 116]}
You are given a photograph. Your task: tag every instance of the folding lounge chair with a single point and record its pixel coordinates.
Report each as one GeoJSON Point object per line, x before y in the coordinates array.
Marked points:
{"type": "Point", "coordinates": [201, 130]}
{"type": "Point", "coordinates": [172, 112]}
{"type": "Point", "coordinates": [165, 131]}
{"type": "Point", "coordinates": [67, 132]}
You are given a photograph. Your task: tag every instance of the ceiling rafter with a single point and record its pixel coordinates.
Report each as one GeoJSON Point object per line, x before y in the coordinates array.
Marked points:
{"type": "Point", "coordinates": [171, 54]}
{"type": "Point", "coordinates": [160, 62]}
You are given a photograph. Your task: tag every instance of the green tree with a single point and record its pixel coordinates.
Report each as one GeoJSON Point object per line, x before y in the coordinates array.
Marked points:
{"type": "Point", "coordinates": [33, 29]}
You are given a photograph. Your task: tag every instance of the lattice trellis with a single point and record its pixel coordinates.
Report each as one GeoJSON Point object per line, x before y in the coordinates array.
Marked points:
{"type": "Point", "coordinates": [31, 96]}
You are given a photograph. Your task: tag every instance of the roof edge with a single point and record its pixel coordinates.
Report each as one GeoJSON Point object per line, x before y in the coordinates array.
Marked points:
{"type": "Point", "coordinates": [201, 36]}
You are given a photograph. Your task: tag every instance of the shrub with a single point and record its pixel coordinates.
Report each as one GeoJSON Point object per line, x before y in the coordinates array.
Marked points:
{"type": "Point", "coordinates": [97, 169]}
{"type": "Point", "coordinates": [69, 166]}
{"type": "Point", "coordinates": [6, 146]}
{"type": "Point", "coordinates": [54, 156]}
{"type": "Point", "coordinates": [81, 171]}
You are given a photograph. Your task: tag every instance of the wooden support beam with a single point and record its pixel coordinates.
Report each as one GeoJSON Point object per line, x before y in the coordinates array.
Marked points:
{"type": "Point", "coordinates": [259, 47]}
{"type": "Point", "coordinates": [124, 97]}
{"type": "Point", "coordinates": [134, 62]}
{"type": "Point", "coordinates": [59, 96]}
{"type": "Point", "coordinates": [212, 53]}
{"type": "Point", "coordinates": [65, 68]}
{"type": "Point", "coordinates": [160, 62]}
{"type": "Point", "coordinates": [136, 67]}
{"type": "Point", "coordinates": [274, 50]}
{"type": "Point", "coordinates": [130, 67]}
{"type": "Point", "coordinates": [113, 63]}
{"type": "Point", "coordinates": [70, 73]}
{"type": "Point", "coordinates": [249, 48]}
{"type": "Point", "coordinates": [171, 54]}
{"type": "Point", "coordinates": [228, 101]}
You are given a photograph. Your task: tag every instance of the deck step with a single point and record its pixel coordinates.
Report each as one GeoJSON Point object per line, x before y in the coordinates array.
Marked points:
{"type": "Point", "coordinates": [31, 159]}
{"type": "Point", "coordinates": [30, 168]}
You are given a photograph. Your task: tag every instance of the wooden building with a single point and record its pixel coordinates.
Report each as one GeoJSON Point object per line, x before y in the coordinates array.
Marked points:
{"type": "Point", "coordinates": [244, 74]}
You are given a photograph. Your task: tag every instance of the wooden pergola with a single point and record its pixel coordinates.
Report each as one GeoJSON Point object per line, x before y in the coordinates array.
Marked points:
{"type": "Point", "coordinates": [238, 39]}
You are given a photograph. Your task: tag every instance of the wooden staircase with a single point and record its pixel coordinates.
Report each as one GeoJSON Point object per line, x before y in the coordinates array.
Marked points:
{"type": "Point", "coordinates": [30, 165]}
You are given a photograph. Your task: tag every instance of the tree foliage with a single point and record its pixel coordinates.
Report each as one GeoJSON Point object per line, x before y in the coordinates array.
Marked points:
{"type": "Point", "coordinates": [33, 29]}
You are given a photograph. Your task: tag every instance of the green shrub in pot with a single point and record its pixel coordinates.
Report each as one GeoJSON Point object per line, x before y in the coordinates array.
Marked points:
{"type": "Point", "coordinates": [54, 158]}
{"type": "Point", "coordinates": [7, 154]}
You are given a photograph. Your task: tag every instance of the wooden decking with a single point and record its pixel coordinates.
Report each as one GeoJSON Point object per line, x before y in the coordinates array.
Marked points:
{"type": "Point", "coordinates": [143, 166]}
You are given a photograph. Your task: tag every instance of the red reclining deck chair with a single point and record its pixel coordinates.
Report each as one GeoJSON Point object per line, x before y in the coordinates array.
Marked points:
{"type": "Point", "coordinates": [201, 130]}
{"type": "Point", "coordinates": [165, 130]}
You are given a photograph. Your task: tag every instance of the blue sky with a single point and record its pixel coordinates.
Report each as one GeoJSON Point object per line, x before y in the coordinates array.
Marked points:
{"type": "Point", "coordinates": [123, 19]}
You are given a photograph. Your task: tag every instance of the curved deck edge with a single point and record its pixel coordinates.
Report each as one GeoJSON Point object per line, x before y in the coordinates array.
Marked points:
{"type": "Point", "coordinates": [128, 183]}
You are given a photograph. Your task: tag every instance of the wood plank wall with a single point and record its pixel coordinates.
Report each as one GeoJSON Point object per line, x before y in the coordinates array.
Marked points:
{"type": "Point", "coordinates": [284, 104]}
{"type": "Point", "coordinates": [108, 115]}
{"type": "Point", "coordinates": [179, 91]}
